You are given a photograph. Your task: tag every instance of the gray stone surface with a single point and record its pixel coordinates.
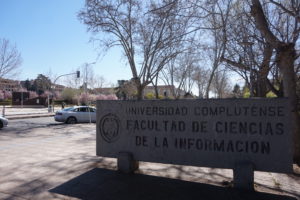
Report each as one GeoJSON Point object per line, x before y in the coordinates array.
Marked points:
{"type": "Point", "coordinates": [126, 163]}
{"type": "Point", "coordinates": [243, 176]}
{"type": "Point", "coordinates": [212, 133]}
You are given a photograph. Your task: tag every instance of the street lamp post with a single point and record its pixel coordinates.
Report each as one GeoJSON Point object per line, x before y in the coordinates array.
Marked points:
{"type": "Point", "coordinates": [21, 89]}
{"type": "Point", "coordinates": [3, 111]}
{"type": "Point", "coordinates": [85, 87]}
{"type": "Point", "coordinates": [77, 76]}
{"type": "Point", "coordinates": [85, 83]}
{"type": "Point", "coordinates": [3, 108]}
{"type": "Point", "coordinates": [21, 98]}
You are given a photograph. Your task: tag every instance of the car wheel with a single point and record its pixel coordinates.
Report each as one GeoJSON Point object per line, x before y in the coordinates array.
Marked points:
{"type": "Point", "coordinates": [71, 120]}
{"type": "Point", "coordinates": [1, 124]}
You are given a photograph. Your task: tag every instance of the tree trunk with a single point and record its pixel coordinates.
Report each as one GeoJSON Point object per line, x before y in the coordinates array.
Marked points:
{"type": "Point", "coordinates": [155, 88]}
{"type": "Point", "coordinates": [285, 58]}
{"type": "Point", "coordinates": [156, 92]}
{"type": "Point", "coordinates": [264, 68]}
{"type": "Point", "coordinates": [261, 89]}
{"type": "Point", "coordinates": [139, 88]}
{"type": "Point", "coordinates": [215, 66]}
{"type": "Point", "coordinates": [139, 94]}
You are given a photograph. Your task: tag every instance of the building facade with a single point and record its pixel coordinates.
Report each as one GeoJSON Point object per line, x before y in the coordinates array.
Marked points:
{"type": "Point", "coordinates": [167, 91]}
{"type": "Point", "coordinates": [58, 88]}
{"type": "Point", "coordinates": [9, 85]}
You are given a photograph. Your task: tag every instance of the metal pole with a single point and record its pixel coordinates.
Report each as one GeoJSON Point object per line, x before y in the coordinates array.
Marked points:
{"type": "Point", "coordinates": [85, 85]}
{"type": "Point", "coordinates": [51, 90]}
{"type": "Point", "coordinates": [48, 99]}
{"type": "Point", "coordinates": [21, 94]}
{"type": "Point", "coordinates": [52, 95]}
{"type": "Point", "coordinates": [90, 114]}
{"type": "Point", "coordinates": [22, 98]}
{"type": "Point", "coordinates": [3, 111]}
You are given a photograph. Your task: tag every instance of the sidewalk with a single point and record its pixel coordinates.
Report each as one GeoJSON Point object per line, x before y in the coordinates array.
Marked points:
{"type": "Point", "coordinates": [21, 113]}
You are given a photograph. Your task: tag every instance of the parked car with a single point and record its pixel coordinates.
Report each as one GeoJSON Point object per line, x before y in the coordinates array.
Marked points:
{"type": "Point", "coordinates": [76, 114]}
{"type": "Point", "coordinates": [3, 122]}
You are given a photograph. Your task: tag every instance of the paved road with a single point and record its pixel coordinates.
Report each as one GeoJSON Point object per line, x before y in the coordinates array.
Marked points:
{"type": "Point", "coordinates": [42, 159]}
{"type": "Point", "coordinates": [37, 154]}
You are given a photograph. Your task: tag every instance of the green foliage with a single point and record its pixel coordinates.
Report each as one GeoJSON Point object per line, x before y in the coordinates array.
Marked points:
{"type": "Point", "coordinates": [27, 84]}
{"type": "Point", "coordinates": [161, 96]}
{"type": "Point", "coordinates": [68, 94]}
{"type": "Point", "coordinates": [58, 102]}
{"type": "Point", "coordinates": [271, 95]}
{"type": "Point", "coordinates": [246, 95]}
{"type": "Point", "coordinates": [246, 92]}
{"type": "Point", "coordinates": [6, 103]}
{"type": "Point", "coordinates": [237, 93]}
{"type": "Point", "coordinates": [150, 95]}
{"type": "Point", "coordinates": [42, 83]}
{"type": "Point", "coordinates": [126, 89]}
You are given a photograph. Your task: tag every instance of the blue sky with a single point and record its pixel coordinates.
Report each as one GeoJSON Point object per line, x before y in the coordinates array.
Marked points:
{"type": "Point", "coordinates": [49, 35]}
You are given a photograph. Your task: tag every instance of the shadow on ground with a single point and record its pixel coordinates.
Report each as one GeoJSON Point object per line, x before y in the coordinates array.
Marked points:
{"type": "Point", "coordinates": [110, 185]}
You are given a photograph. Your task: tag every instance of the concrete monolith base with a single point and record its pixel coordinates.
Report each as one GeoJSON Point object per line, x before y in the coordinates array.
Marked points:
{"type": "Point", "coordinates": [126, 163]}
{"type": "Point", "coordinates": [243, 176]}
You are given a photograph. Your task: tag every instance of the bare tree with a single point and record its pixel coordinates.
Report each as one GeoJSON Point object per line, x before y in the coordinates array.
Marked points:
{"type": "Point", "coordinates": [220, 84]}
{"type": "Point", "coordinates": [87, 76]}
{"type": "Point", "coordinates": [97, 81]}
{"type": "Point", "coordinates": [168, 77]}
{"type": "Point", "coordinates": [180, 73]}
{"type": "Point", "coordinates": [126, 89]}
{"type": "Point", "coordinates": [10, 59]}
{"type": "Point", "coordinates": [286, 55]}
{"type": "Point", "coordinates": [87, 80]}
{"type": "Point", "coordinates": [214, 18]}
{"type": "Point", "coordinates": [219, 41]}
{"type": "Point", "coordinates": [248, 53]}
{"type": "Point", "coordinates": [184, 73]}
{"type": "Point", "coordinates": [201, 77]}
{"type": "Point", "coordinates": [51, 75]}
{"type": "Point", "coordinates": [72, 81]}
{"type": "Point", "coordinates": [148, 33]}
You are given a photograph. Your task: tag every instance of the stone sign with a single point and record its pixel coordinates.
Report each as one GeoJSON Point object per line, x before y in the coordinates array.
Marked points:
{"type": "Point", "coordinates": [209, 133]}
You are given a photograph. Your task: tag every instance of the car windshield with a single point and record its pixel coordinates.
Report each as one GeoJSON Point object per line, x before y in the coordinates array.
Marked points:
{"type": "Point", "coordinates": [68, 109]}
{"type": "Point", "coordinates": [91, 109]}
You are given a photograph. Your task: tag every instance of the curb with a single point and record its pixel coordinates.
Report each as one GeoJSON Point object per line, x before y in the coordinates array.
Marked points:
{"type": "Point", "coordinates": [20, 114]}
{"type": "Point", "coordinates": [28, 116]}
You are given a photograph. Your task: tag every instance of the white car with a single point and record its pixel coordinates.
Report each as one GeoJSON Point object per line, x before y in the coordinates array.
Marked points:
{"type": "Point", "coordinates": [76, 114]}
{"type": "Point", "coordinates": [3, 122]}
